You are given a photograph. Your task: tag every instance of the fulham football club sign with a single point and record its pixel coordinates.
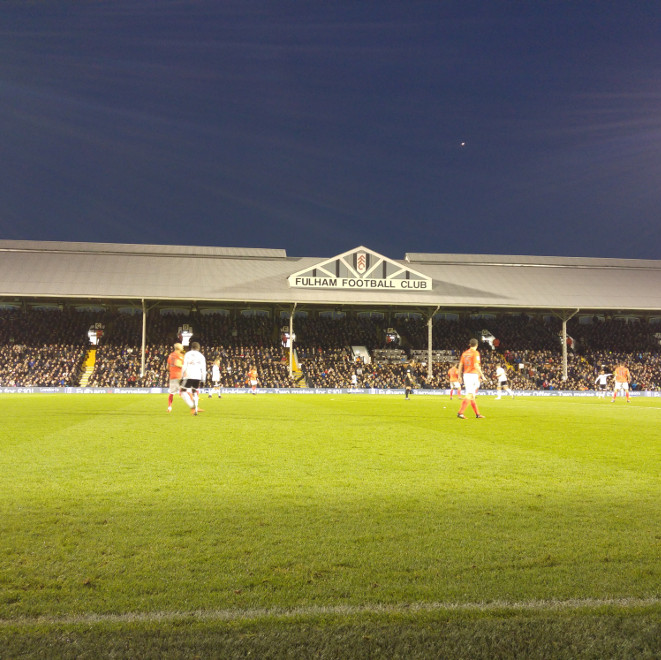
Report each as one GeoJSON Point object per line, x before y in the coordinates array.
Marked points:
{"type": "Point", "coordinates": [360, 269]}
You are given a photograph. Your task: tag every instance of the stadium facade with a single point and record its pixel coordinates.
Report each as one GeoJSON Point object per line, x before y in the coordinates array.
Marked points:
{"type": "Point", "coordinates": [193, 277]}
{"type": "Point", "coordinates": [102, 272]}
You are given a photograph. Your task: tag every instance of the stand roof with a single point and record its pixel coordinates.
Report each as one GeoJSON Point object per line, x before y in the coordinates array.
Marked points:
{"type": "Point", "coordinates": [105, 271]}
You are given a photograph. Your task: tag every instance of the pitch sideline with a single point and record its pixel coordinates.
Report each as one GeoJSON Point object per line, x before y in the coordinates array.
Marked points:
{"type": "Point", "coordinates": [332, 610]}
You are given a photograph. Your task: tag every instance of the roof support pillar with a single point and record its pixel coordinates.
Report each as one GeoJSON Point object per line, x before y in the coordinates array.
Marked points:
{"type": "Point", "coordinates": [291, 340]}
{"type": "Point", "coordinates": [564, 316]}
{"type": "Point", "coordinates": [430, 355]}
{"type": "Point", "coordinates": [144, 339]}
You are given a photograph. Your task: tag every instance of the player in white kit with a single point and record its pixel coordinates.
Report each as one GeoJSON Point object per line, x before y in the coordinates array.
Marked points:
{"type": "Point", "coordinates": [501, 379]}
{"type": "Point", "coordinates": [215, 378]}
{"type": "Point", "coordinates": [193, 375]}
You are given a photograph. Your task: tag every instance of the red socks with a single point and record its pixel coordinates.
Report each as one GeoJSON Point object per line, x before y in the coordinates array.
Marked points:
{"type": "Point", "coordinates": [464, 405]}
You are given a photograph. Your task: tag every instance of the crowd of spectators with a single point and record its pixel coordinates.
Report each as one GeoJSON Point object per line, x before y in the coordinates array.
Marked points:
{"type": "Point", "coordinates": [44, 348]}
{"type": "Point", "coordinates": [528, 347]}
{"type": "Point", "coordinates": [323, 334]}
{"type": "Point", "coordinates": [49, 347]}
{"type": "Point", "coordinates": [235, 361]}
{"type": "Point", "coordinates": [614, 334]}
{"type": "Point", "coordinates": [51, 365]}
{"type": "Point", "coordinates": [239, 343]}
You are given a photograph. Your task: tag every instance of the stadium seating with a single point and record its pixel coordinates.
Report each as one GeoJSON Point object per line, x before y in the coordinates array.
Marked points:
{"type": "Point", "coordinates": [47, 347]}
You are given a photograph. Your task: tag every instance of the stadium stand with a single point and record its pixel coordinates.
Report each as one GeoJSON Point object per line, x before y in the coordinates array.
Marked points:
{"type": "Point", "coordinates": [52, 292]}
{"type": "Point", "coordinates": [42, 347]}
{"type": "Point", "coordinates": [48, 348]}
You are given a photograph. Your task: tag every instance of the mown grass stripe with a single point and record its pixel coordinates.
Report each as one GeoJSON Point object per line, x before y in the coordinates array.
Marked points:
{"type": "Point", "coordinates": [334, 610]}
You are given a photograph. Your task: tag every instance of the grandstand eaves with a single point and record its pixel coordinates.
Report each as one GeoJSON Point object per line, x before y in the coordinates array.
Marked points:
{"type": "Point", "coordinates": [257, 276]}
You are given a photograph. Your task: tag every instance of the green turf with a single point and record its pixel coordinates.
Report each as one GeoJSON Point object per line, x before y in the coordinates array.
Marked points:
{"type": "Point", "coordinates": [111, 506]}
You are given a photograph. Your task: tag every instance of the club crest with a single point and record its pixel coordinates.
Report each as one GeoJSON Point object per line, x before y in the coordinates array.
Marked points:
{"type": "Point", "coordinates": [361, 262]}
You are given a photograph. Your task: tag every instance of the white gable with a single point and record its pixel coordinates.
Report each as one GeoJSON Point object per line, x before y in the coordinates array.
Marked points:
{"type": "Point", "coordinates": [360, 268]}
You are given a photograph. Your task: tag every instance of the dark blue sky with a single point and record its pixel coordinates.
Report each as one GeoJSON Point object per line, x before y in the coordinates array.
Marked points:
{"type": "Point", "coordinates": [481, 127]}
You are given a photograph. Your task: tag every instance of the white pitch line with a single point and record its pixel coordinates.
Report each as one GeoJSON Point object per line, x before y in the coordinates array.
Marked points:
{"type": "Point", "coordinates": [333, 610]}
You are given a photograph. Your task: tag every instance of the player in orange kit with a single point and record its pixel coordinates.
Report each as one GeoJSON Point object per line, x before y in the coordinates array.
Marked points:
{"type": "Point", "coordinates": [455, 380]}
{"type": "Point", "coordinates": [175, 365]}
{"type": "Point", "coordinates": [252, 379]}
{"type": "Point", "coordinates": [471, 372]}
{"type": "Point", "coordinates": [622, 380]}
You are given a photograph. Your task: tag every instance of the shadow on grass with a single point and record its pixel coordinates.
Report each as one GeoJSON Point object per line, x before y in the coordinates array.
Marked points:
{"type": "Point", "coordinates": [597, 636]}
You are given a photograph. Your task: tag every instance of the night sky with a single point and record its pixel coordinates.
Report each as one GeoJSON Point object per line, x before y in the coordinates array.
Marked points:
{"type": "Point", "coordinates": [465, 127]}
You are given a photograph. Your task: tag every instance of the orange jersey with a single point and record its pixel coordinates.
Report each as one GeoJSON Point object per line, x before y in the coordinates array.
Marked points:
{"type": "Point", "coordinates": [175, 364]}
{"type": "Point", "coordinates": [470, 361]}
{"type": "Point", "coordinates": [453, 374]}
{"type": "Point", "coordinates": [252, 374]}
{"type": "Point", "coordinates": [622, 375]}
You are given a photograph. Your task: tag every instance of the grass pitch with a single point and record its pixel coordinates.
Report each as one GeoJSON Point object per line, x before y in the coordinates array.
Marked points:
{"type": "Point", "coordinates": [329, 526]}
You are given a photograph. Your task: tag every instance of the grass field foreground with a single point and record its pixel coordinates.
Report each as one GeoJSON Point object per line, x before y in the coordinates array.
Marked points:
{"type": "Point", "coordinates": [275, 522]}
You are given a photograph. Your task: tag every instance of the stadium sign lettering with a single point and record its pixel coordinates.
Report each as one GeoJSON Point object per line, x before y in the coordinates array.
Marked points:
{"type": "Point", "coordinates": [357, 283]}
{"type": "Point", "coordinates": [360, 268]}
{"type": "Point", "coordinates": [325, 282]}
